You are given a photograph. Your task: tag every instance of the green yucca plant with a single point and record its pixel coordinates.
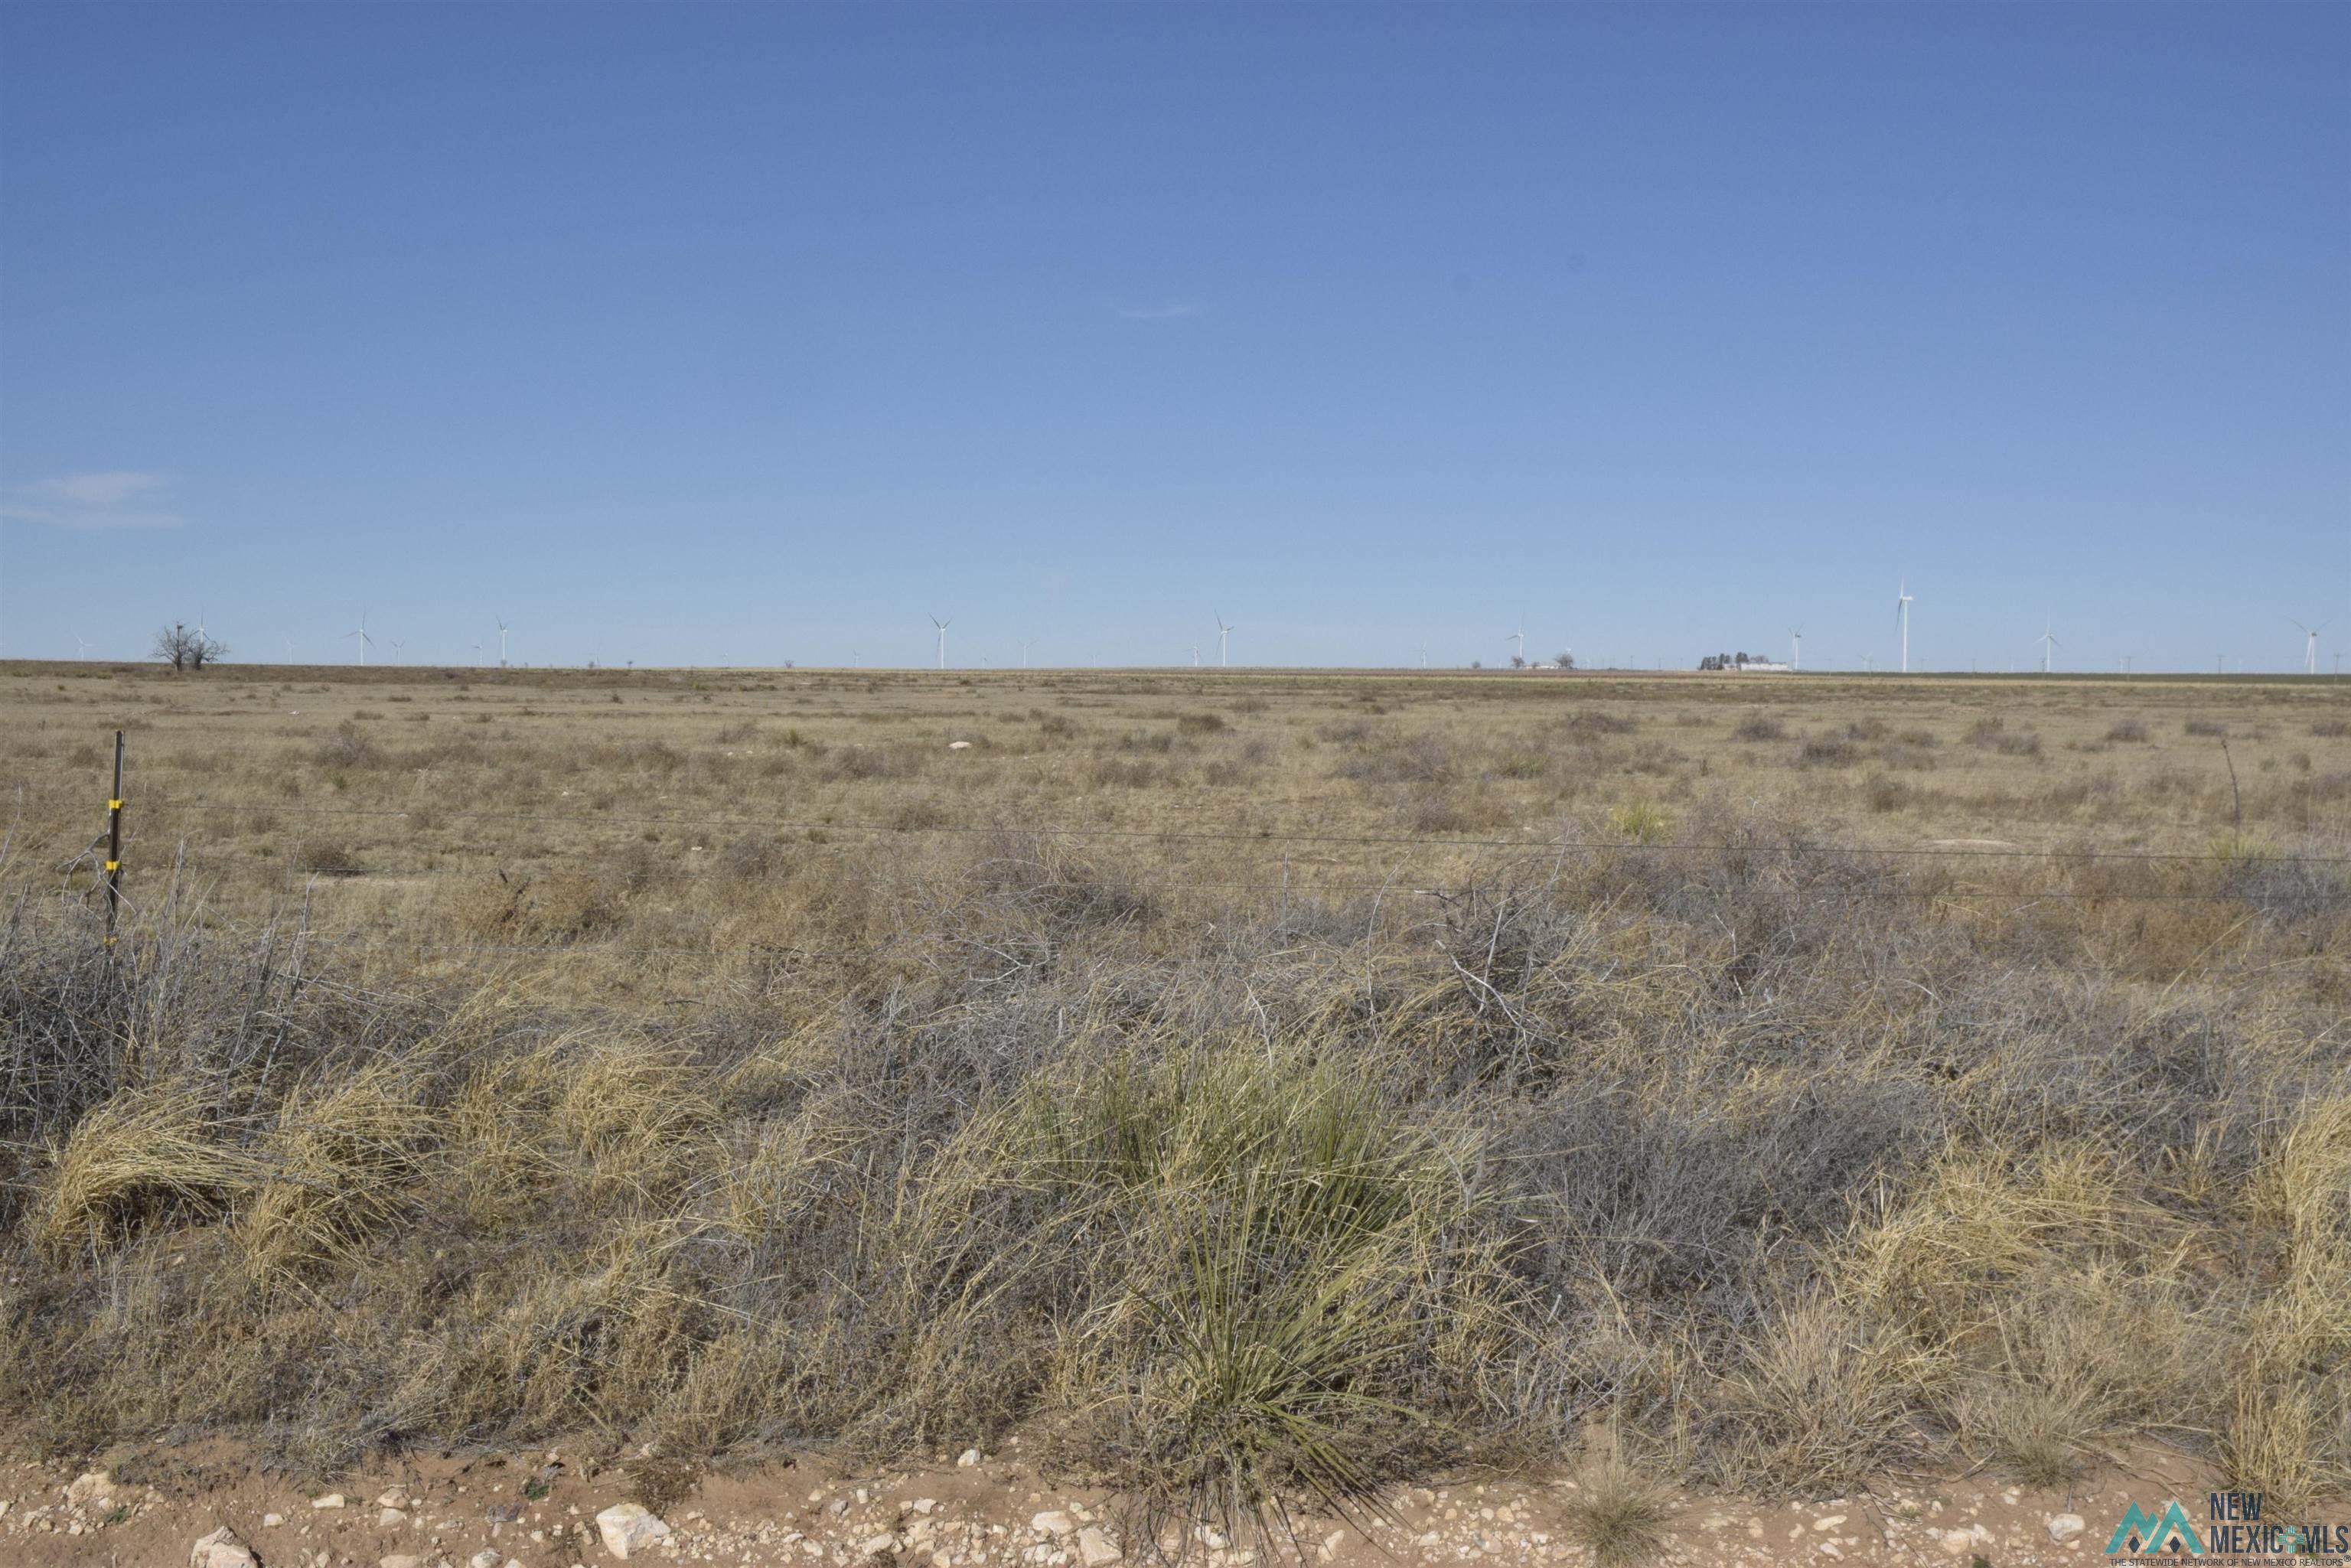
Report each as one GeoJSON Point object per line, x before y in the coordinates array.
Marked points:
{"type": "Point", "coordinates": [1641, 820]}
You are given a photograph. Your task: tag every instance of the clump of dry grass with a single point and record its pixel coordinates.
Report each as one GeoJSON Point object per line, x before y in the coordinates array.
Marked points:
{"type": "Point", "coordinates": [145, 1157]}
{"type": "Point", "coordinates": [1621, 1514]}
{"type": "Point", "coordinates": [339, 1167]}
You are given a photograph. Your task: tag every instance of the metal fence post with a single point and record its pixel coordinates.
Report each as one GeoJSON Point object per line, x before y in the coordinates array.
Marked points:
{"type": "Point", "coordinates": [114, 844]}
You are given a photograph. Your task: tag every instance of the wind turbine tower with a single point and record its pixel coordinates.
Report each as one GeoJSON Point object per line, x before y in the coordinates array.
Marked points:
{"type": "Point", "coordinates": [1902, 600]}
{"type": "Point", "coordinates": [2048, 646]}
{"type": "Point", "coordinates": [943, 626]}
{"type": "Point", "coordinates": [364, 639]}
{"type": "Point", "coordinates": [1796, 661]}
{"type": "Point", "coordinates": [1223, 632]}
{"type": "Point", "coordinates": [503, 630]}
{"type": "Point", "coordinates": [1520, 637]}
{"type": "Point", "coordinates": [2310, 648]}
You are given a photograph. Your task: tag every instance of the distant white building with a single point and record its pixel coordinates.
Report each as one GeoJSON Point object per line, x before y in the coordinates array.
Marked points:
{"type": "Point", "coordinates": [1766, 665]}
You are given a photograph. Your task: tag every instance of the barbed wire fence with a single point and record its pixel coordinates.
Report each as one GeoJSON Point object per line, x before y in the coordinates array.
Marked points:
{"type": "Point", "coordinates": [1858, 872]}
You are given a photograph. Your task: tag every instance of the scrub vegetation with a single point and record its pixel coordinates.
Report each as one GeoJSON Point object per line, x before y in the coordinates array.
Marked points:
{"type": "Point", "coordinates": [1260, 1090]}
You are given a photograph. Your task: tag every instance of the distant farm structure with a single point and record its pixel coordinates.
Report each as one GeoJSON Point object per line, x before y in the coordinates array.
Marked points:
{"type": "Point", "coordinates": [1743, 663]}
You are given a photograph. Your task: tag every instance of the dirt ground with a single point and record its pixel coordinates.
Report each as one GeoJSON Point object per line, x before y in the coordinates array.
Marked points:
{"type": "Point", "coordinates": [539, 1509]}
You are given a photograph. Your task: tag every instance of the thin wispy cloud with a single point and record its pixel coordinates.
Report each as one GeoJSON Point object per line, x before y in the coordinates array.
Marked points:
{"type": "Point", "coordinates": [118, 500]}
{"type": "Point", "coordinates": [1167, 311]}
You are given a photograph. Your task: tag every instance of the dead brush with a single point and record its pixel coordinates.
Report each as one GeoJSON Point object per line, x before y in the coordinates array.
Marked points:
{"type": "Point", "coordinates": [146, 1156]}
{"type": "Point", "coordinates": [569, 1339]}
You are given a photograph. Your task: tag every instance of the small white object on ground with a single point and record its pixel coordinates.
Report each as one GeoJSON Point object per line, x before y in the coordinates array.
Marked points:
{"type": "Point", "coordinates": [628, 1529]}
{"type": "Point", "coordinates": [221, 1549]}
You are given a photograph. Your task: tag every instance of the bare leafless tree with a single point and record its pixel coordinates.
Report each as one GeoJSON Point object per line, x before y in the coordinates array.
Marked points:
{"type": "Point", "coordinates": [183, 649]}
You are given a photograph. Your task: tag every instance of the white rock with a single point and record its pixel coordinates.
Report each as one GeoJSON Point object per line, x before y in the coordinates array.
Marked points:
{"type": "Point", "coordinates": [1829, 1549]}
{"type": "Point", "coordinates": [1828, 1522]}
{"type": "Point", "coordinates": [393, 1498]}
{"type": "Point", "coordinates": [1958, 1543]}
{"type": "Point", "coordinates": [483, 1560]}
{"type": "Point", "coordinates": [332, 1499]}
{"type": "Point", "coordinates": [272, 1521]}
{"type": "Point", "coordinates": [968, 1458]}
{"type": "Point", "coordinates": [1053, 1521]}
{"type": "Point", "coordinates": [221, 1549]}
{"type": "Point", "coordinates": [925, 1504]}
{"type": "Point", "coordinates": [389, 1519]}
{"type": "Point", "coordinates": [1095, 1548]}
{"type": "Point", "coordinates": [959, 746]}
{"type": "Point", "coordinates": [91, 1486]}
{"type": "Point", "coordinates": [878, 1546]}
{"type": "Point", "coordinates": [2063, 1527]}
{"type": "Point", "coordinates": [628, 1529]}
{"type": "Point", "coordinates": [399, 1559]}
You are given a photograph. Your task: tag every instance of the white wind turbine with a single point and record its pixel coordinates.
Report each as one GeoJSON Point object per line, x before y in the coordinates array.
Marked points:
{"type": "Point", "coordinates": [364, 639]}
{"type": "Point", "coordinates": [2048, 640]}
{"type": "Point", "coordinates": [82, 646]}
{"type": "Point", "coordinates": [943, 626]}
{"type": "Point", "coordinates": [1024, 650]}
{"type": "Point", "coordinates": [2310, 648]}
{"type": "Point", "coordinates": [1797, 638]}
{"type": "Point", "coordinates": [1902, 621]}
{"type": "Point", "coordinates": [1424, 656]}
{"type": "Point", "coordinates": [503, 630]}
{"type": "Point", "coordinates": [1223, 632]}
{"type": "Point", "coordinates": [396, 646]}
{"type": "Point", "coordinates": [1196, 655]}
{"type": "Point", "coordinates": [1520, 637]}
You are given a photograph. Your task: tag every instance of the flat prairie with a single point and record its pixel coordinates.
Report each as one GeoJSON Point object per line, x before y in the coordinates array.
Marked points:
{"type": "Point", "coordinates": [1262, 1093]}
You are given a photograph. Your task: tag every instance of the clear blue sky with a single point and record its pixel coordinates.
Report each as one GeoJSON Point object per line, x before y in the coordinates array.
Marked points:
{"type": "Point", "coordinates": [747, 333]}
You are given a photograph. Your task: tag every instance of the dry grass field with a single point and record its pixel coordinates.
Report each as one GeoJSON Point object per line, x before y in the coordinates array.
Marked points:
{"type": "Point", "coordinates": [1258, 1090]}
